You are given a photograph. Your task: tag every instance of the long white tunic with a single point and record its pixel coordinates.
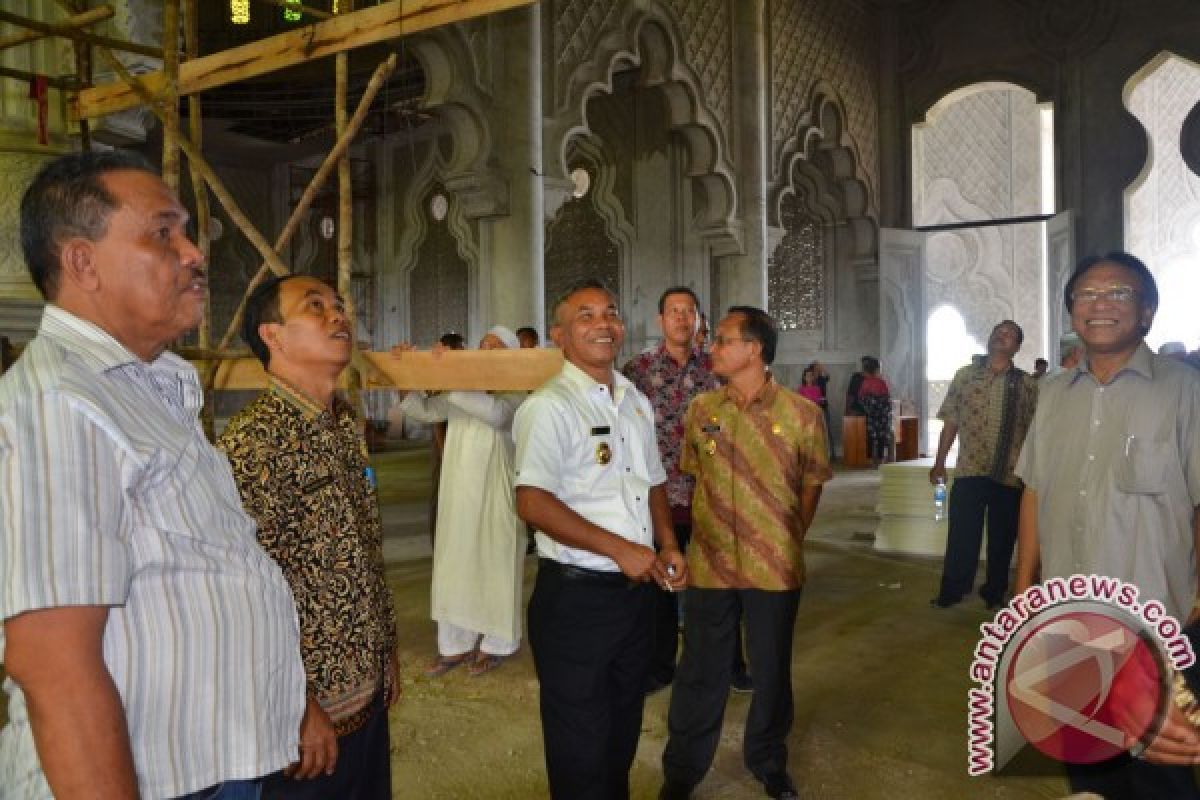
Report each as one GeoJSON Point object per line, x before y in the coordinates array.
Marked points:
{"type": "Point", "coordinates": [479, 542]}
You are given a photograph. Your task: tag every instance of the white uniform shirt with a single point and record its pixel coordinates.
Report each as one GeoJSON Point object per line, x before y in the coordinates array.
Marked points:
{"type": "Point", "coordinates": [596, 453]}
{"type": "Point", "coordinates": [111, 496]}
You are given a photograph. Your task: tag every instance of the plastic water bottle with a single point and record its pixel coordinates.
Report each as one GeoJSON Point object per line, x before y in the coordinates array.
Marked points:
{"type": "Point", "coordinates": [939, 500]}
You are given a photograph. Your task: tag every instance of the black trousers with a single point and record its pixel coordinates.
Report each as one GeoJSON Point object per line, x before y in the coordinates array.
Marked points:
{"type": "Point", "coordinates": [970, 499]}
{"type": "Point", "coordinates": [590, 637]}
{"type": "Point", "coordinates": [702, 683]}
{"type": "Point", "coordinates": [1126, 778]}
{"type": "Point", "coordinates": [363, 770]}
{"type": "Point", "coordinates": [666, 626]}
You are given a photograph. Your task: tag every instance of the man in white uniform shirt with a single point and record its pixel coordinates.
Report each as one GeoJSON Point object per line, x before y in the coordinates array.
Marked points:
{"type": "Point", "coordinates": [589, 479]}
{"type": "Point", "coordinates": [151, 646]}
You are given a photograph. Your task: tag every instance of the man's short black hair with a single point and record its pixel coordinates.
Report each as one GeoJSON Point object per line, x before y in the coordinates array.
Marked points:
{"type": "Point", "coordinates": [528, 331]}
{"type": "Point", "coordinates": [1149, 289]}
{"type": "Point", "coordinates": [68, 198]}
{"type": "Point", "coordinates": [579, 286]}
{"type": "Point", "coordinates": [453, 340]}
{"type": "Point", "coordinates": [1038, 362]}
{"type": "Point", "coordinates": [758, 326]}
{"type": "Point", "coordinates": [662, 298]}
{"type": "Point", "coordinates": [262, 306]}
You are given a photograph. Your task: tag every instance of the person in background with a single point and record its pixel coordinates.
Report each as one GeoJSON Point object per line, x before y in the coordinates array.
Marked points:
{"type": "Point", "coordinates": [528, 338]}
{"type": "Point", "coordinates": [809, 388]}
{"type": "Point", "coordinates": [301, 467]}
{"type": "Point", "coordinates": [875, 398]}
{"type": "Point", "coordinates": [150, 645]}
{"type": "Point", "coordinates": [478, 553]}
{"type": "Point", "coordinates": [701, 331]}
{"type": "Point", "coordinates": [853, 403]}
{"type": "Point", "coordinates": [1040, 365]}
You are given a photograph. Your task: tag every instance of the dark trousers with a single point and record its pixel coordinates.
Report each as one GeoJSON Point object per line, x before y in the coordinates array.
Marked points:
{"type": "Point", "coordinates": [666, 626]}
{"type": "Point", "coordinates": [1126, 778]}
{"type": "Point", "coordinates": [363, 770]}
{"type": "Point", "coordinates": [590, 637]}
{"type": "Point", "coordinates": [702, 683]}
{"type": "Point", "coordinates": [970, 499]}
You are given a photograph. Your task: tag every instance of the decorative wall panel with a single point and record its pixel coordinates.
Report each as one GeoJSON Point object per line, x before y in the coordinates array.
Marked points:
{"type": "Point", "coordinates": [708, 44]}
{"type": "Point", "coordinates": [830, 43]}
{"type": "Point", "coordinates": [578, 248]}
{"type": "Point", "coordinates": [438, 287]}
{"type": "Point", "coordinates": [796, 271]}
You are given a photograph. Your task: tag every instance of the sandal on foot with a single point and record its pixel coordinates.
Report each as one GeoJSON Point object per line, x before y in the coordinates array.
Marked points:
{"type": "Point", "coordinates": [485, 663]}
{"type": "Point", "coordinates": [444, 664]}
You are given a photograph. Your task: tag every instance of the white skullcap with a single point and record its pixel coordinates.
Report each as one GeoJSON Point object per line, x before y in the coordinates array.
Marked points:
{"type": "Point", "coordinates": [505, 335]}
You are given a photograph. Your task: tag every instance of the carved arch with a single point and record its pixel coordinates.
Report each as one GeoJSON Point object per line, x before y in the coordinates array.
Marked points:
{"type": "Point", "coordinates": [823, 158]}
{"type": "Point", "coordinates": [649, 38]}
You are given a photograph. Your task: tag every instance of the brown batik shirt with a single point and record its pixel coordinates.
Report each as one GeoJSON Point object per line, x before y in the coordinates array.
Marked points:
{"type": "Point", "coordinates": [993, 411]}
{"type": "Point", "coordinates": [304, 476]}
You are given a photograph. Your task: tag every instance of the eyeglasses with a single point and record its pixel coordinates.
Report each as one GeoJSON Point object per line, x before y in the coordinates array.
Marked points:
{"type": "Point", "coordinates": [1113, 294]}
{"type": "Point", "coordinates": [721, 341]}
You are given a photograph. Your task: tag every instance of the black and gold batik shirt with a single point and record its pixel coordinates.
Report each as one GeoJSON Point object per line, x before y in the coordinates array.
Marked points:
{"type": "Point", "coordinates": [303, 474]}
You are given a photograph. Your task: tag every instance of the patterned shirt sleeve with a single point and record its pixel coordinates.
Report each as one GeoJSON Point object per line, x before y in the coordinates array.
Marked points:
{"type": "Point", "coordinates": [949, 412]}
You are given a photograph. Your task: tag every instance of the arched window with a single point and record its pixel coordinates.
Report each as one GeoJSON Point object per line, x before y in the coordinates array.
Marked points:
{"type": "Point", "coordinates": [438, 284]}
{"type": "Point", "coordinates": [1162, 207]}
{"type": "Point", "coordinates": [796, 270]}
{"type": "Point", "coordinates": [578, 246]}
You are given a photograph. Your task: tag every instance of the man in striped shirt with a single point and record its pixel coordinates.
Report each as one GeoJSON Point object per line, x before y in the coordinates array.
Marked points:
{"type": "Point", "coordinates": [759, 455]}
{"type": "Point", "coordinates": [151, 646]}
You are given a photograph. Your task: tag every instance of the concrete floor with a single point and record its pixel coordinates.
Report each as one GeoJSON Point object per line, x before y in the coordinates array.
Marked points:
{"type": "Point", "coordinates": [880, 678]}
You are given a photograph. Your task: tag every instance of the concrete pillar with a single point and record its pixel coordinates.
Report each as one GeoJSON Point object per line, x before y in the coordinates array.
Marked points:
{"type": "Point", "coordinates": [512, 247]}
{"type": "Point", "coordinates": [743, 278]}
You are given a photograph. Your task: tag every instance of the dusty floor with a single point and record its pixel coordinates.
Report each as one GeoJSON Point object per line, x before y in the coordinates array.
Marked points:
{"type": "Point", "coordinates": [881, 685]}
{"type": "Point", "coordinates": [880, 678]}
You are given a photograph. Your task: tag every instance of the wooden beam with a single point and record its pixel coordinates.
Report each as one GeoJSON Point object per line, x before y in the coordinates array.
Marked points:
{"type": "Point", "coordinates": [68, 32]}
{"type": "Point", "coordinates": [90, 17]}
{"type": "Point", "coordinates": [472, 370]}
{"type": "Point", "coordinates": [63, 84]}
{"type": "Point", "coordinates": [315, 13]}
{"type": "Point", "coordinates": [344, 32]}
{"type": "Point", "coordinates": [170, 98]}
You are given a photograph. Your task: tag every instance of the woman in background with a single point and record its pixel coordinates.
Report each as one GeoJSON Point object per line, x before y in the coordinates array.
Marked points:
{"type": "Point", "coordinates": [875, 398]}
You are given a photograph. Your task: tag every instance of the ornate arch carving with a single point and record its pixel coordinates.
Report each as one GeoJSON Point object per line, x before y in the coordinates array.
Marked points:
{"type": "Point", "coordinates": [823, 159]}
{"type": "Point", "coordinates": [649, 38]}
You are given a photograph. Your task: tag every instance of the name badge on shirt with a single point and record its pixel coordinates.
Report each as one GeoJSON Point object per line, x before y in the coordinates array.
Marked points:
{"type": "Point", "coordinates": [601, 430]}
{"type": "Point", "coordinates": [603, 453]}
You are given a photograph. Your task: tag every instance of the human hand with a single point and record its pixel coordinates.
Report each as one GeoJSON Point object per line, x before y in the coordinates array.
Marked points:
{"type": "Point", "coordinates": [1176, 743]}
{"type": "Point", "coordinates": [393, 680]}
{"type": "Point", "coordinates": [318, 744]}
{"type": "Point", "coordinates": [638, 562]}
{"type": "Point", "coordinates": [674, 568]}
{"type": "Point", "coordinates": [937, 471]}
{"type": "Point", "coordinates": [399, 350]}
{"type": "Point", "coordinates": [438, 349]}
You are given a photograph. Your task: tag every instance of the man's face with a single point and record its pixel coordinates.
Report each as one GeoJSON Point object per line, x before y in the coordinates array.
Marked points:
{"type": "Point", "coordinates": [1108, 311]}
{"type": "Point", "coordinates": [731, 351]}
{"type": "Point", "coordinates": [678, 319]}
{"type": "Point", "coordinates": [589, 329]}
{"type": "Point", "coordinates": [150, 280]}
{"type": "Point", "coordinates": [1004, 340]}
{"type": "Point", "coordinates": [314, 331]}
{"type": "Point", "coordinates": [527, 340]}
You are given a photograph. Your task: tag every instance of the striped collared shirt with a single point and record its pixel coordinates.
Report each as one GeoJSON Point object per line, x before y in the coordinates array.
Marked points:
{"type": "Point", "coordinates": [751, 466]}
{"type": "Point", "coordinates": [110, 495]}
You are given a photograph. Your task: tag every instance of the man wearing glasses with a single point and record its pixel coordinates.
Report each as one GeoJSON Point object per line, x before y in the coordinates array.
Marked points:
{"type": "Point", "coordinates": [759, 455]}
{"type": "Point", "coordinates": [1112, 477]}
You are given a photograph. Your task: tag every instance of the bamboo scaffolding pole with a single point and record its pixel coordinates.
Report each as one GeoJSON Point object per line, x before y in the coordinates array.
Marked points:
{"type": "Point", "coordinates": [372, 25]}
{"type": "Point", "coordinates": [68, 32]}
{"type": "Point", "coordinates": [345, 225]}
{"type": "Point", "coordinates": [62, 84]}
{"type": "Point", "coordinates": [315, 13]}
{"type": "Point", "coordinates": [206, 172]}
{"type": "Point", "coordinates": [81, 20]}
{"type": "Point", "coordinates": [379, 77]}
{"type": "Point", "coordinates": [170, 96]}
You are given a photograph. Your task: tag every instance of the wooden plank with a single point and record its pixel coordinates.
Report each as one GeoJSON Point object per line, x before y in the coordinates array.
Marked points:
{"type": "Point", "coordinates": [478, 370]}
{"type": "Point", "coordinates": [68, 32]}
{"type": "Point", "coordinates": [344, 32]}
{"type": "Point", "coordinates": [63, 84]}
